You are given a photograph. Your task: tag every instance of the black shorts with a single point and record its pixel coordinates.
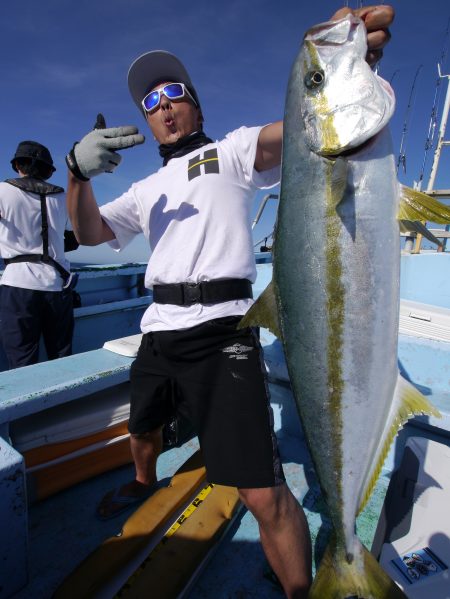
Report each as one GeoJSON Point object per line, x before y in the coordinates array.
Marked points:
{"type": "Point", "coordinates": [214, 375]}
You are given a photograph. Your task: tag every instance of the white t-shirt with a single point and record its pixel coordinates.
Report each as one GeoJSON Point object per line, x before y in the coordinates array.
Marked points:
{"type": "Point", "coordinates": [20, 233]}
{"type": "Point", "coordinates": [196, 214]}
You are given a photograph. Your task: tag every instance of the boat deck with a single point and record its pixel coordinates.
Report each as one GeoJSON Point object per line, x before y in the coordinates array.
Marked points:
{"type": "Point", "coordinates": [65, 528]}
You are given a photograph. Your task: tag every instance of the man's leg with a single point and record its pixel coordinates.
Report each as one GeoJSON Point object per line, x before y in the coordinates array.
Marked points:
{"type": "Point", "coordinates": [284, 536]}
{"type": "Point", "coordinates": [145, 449]}
{"type": "Point", "coordinates": [230, 404]}
{"type": "Point", "coordinates": [150, 407]}
{"type": "Point", "coordinates": [20, 325]}
{"type": "Point", "coordinates": [58, 323]}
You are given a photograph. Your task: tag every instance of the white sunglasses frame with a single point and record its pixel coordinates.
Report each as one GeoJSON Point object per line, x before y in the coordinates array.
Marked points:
{"type": "Point", "coordinates": [160, 91]}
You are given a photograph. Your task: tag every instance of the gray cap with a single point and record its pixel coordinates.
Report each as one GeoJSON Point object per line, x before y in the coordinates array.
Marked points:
{"type": "Point", "coordinates": [152, 68]}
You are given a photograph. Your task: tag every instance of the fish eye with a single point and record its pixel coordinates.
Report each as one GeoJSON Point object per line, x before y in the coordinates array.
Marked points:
{"type": "Point", "coordinates": [314, 79]}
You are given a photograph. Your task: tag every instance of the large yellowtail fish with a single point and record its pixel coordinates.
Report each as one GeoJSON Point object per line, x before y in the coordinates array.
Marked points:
{"type": "Point", "coordinates": [334, 298]}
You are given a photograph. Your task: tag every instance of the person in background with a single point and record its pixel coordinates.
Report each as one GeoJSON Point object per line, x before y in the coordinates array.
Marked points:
{"type": "Point", "coordinates": [36, 285]}
{"type": "Point", "coordinates": [195, 213]}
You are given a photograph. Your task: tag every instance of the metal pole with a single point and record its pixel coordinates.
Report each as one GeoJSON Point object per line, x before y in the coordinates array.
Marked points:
{"type": "Point", "coordinates": [264, 201]}
{"type": "Point", "coordinates": [439, 145]}
{"type": "Point", "coordinates": [442, 127]}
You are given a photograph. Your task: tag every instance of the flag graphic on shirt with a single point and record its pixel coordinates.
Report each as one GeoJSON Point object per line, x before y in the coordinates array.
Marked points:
{"type": "Point", "coordinates": [207, 163]}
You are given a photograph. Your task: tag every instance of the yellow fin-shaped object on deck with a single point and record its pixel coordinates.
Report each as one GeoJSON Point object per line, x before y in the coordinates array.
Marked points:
{"type": "Point", "coordinates": [407, 402]}
{"type": "Point", "coordinates": [362, 576]}
{"type": "Point", "coordinates": [417, 205]}
{"type": "Point", "coordinates": [264, 312]}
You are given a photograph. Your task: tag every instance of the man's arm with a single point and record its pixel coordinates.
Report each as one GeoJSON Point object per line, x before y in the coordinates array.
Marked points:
{"type": "Point", "coordinates": [377, 20]}
{"type": "Point", "coordinates": [94, 154]}
{"type": "Point", "coordinates": [87, 223]}
{"type": "Point", "coordinates": [268, 150]}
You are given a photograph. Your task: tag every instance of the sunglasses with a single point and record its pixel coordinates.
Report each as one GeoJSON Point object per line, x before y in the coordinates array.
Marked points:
{"type": "Point", "coordinates": [173, 91]}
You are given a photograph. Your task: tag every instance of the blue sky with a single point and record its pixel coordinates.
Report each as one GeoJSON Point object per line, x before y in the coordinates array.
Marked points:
{"type": "Point", "coordinates": [65, 61]}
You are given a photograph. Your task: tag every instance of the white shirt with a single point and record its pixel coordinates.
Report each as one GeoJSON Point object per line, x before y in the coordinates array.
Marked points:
{"type": "Point", "coordinates": [198, 229]}
{"type": "Point", "coordinates": [20, 233]}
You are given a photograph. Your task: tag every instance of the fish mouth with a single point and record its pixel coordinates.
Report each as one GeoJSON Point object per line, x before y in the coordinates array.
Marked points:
{"type": "Point", "coordinates": [346, 153]}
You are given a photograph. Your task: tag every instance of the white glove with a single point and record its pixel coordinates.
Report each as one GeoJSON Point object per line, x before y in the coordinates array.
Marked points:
{"type": "Point", "coordinates": [95, 153]}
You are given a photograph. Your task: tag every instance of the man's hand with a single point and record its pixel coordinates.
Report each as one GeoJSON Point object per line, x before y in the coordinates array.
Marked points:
{"type": "Point", "coordinates": [377, 20]}
{"type": "Point", "coordinates": [96, 154]}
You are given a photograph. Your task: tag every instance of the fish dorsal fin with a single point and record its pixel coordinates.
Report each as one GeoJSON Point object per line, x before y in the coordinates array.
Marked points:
{"type": "Point", "coordinates": [416, 205]}
{"type": "Point", "coordinates": [264, 312]}
{"type": "Point", "coordinates": [407, 402]}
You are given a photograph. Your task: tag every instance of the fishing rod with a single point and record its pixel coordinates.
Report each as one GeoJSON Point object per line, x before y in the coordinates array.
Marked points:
{"type": "Point", "coordinates": [434, 111]}
{"type": "Point", "coordinates": [393, 76]}
{"type": "Point", "coordinates": [359, 3]}
{"type": "Point", "coordinates": [440, 142]}
{"type": "Point", "coordinates": [402, 152]}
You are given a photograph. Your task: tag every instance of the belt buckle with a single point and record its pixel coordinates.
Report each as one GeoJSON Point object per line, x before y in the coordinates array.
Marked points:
{"type": "Point", "coordinates": [192, 293]}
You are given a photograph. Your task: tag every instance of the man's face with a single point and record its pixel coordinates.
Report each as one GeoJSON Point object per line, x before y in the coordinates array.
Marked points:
{"type": "Point", "coordinates": [173, 119]}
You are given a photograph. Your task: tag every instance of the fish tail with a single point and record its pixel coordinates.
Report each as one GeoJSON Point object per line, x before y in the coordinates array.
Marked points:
{"type": "Point", "coordinates": [338, 577]}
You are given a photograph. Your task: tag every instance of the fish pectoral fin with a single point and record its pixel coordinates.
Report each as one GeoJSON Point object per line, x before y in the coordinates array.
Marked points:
{"type": "Point", "coordinates": [338, 180]}
{"type": "Point", "coordinates": [408, 226]}
{"type": "Point", "coordinates": [263, 313]}
{"type": "Point", "coordinates": [416, 205]}
{"type": "Point", "coordinates": [407, 402]}
{"type": "Point", "coordinates": [361, 576]}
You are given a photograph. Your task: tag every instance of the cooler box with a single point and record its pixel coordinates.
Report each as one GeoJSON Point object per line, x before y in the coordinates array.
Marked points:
{"type": "Point", "coordinates": [412, 541]}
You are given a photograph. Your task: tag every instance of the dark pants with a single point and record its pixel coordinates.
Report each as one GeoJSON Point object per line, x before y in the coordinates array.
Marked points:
{"type": "Point", "coordinates": [26, 314]}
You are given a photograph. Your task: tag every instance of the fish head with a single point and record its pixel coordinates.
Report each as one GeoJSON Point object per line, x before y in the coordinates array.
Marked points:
{"type": "Point", "coordinates": [344, 103]}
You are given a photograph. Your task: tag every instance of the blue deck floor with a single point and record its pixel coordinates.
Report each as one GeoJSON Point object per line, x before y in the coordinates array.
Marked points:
{"type": "Point", "coordinates": [237, 569]}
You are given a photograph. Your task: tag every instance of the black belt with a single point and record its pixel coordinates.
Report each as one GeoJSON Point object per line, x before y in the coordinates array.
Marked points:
{"type": "Point", "coordinates": [46, 259]}
{"type": "Point", "coordinates": [206, 292]}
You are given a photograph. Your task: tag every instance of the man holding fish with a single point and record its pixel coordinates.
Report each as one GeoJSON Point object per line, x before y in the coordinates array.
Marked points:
{"type": "Point", "coordinates": [191, 328]}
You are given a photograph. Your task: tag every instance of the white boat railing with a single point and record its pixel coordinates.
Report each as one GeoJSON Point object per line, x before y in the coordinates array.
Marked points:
{"type": "Point", "coordinates": [410, 236]}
